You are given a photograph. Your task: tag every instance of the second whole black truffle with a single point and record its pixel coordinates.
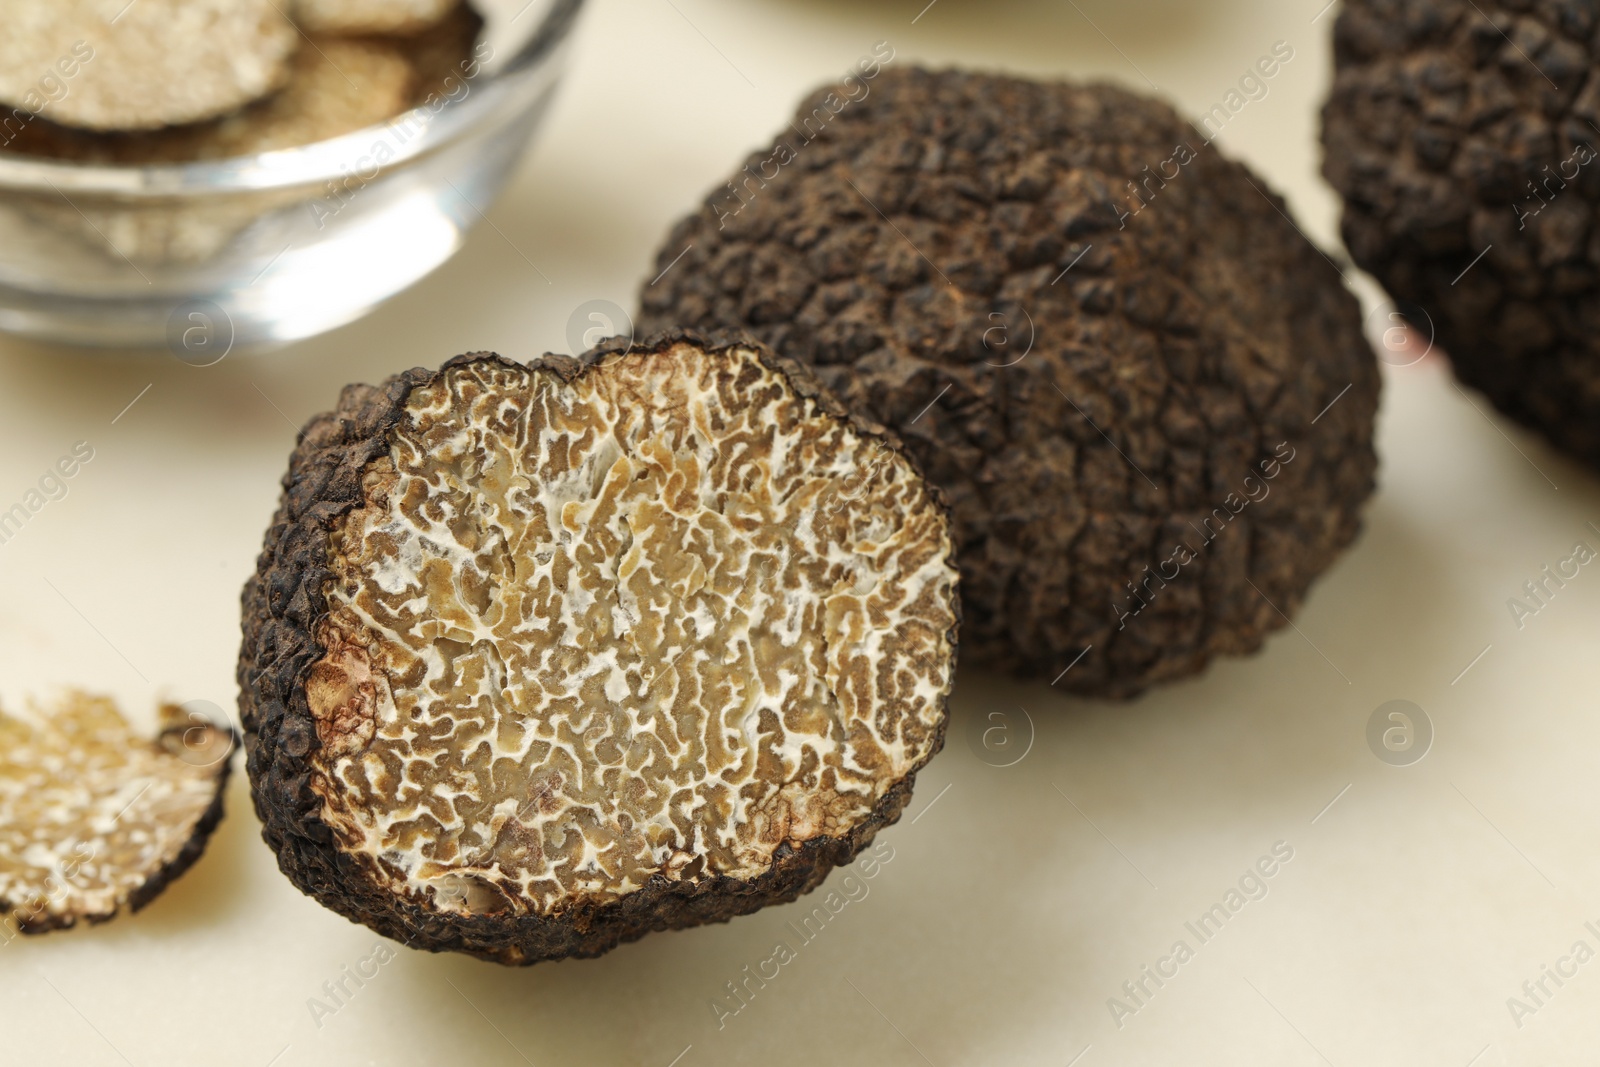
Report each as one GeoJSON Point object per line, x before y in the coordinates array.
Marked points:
{"type": "Point", "coordinates": [1463, 137]}
{"type": "Point", "coordinates": [1146, 395]}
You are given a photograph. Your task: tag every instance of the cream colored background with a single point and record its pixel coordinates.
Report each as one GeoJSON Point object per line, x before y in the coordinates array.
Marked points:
{"type": "Point", "coordinates": [1412, 909]}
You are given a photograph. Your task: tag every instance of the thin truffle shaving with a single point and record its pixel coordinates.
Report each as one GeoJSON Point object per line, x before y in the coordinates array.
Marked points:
{"type": "Point", "coordinates": [660, 620]}
{"type": "Point", "coordinates": [118, 65]}
{"type": "Point", "coordinates": [94, 817]}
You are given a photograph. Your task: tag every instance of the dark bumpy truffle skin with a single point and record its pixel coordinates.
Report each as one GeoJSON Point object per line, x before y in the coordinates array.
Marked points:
{"type": "Point", "coordinates": [1089, 327]}
{"type": "Point", "coordinates": [1457, 130]}
{"type": "Point", "coordinates": [570, 855]}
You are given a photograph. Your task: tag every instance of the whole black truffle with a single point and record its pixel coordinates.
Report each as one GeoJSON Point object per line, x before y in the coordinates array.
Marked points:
{"type": "Point", "coordinates": [1463, 138]}
{"type": "Point", "coordinates": [541, 658]}
{"type": "Point", "coordinates": [1147, 397]}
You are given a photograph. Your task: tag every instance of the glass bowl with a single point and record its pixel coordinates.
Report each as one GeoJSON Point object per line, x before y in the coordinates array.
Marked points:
{"type": "Point", "coordinates": [272, 247]}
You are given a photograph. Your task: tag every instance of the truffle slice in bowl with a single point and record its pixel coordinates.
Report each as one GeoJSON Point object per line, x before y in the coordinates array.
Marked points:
{"type": "Point", "coordinates": [542, 658]}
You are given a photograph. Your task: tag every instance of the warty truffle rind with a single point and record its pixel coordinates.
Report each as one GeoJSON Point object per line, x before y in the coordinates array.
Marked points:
{"type": "Point", "coordinates": [283, 605]}
{"type": "Point", "coordinates": [1089, 327]}
{"type": "Point", "coordinates": [1463, 140]}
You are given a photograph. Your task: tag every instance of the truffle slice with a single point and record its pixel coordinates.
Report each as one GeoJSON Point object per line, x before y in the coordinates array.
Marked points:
{"type": "Point", "coordinates": [541, 658]}
{"type": "Point", "coordinates": [1147, 396]}
{"type": "Point", "coordinates": [337, 86]}
{"type": "Point", "coordinates": [444, 57]}
{"type": "Point", "coordinates": [94, 818]}
{"type": "Point", "coordinates": [1463, 139]}
{"type": "Point", "coordinates": [115, 65]}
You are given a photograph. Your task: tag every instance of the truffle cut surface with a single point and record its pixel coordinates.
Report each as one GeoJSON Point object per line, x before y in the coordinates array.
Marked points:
{"type": "Point", "coordinates": [662, 620]}
{"type": "Point", "coordinates": [94, 817]}
{"type": "Point", "coordinates": [116, 65]}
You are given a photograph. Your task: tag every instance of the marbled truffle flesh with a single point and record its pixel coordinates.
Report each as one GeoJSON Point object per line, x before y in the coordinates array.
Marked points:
{"type": "Point", "coordinates": [140, 65]}
{"type": "Point", "coordinates": [543, 657]}
{"type": "Point", "coordinates": [1147, 396]}
{"type": "Point", "coordinates": [336, 86]}
{"type": "Point", "coordinates": [1465, 140]}
{"type": "Point", "coordinates": [95, 818]}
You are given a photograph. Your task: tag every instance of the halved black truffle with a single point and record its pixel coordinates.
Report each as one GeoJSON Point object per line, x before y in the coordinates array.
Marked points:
{"type": "Point", "coordinates": [1464, 139]}
{"type": "Point", "coordinates": [95, 818]}
{"type": "Point", "coordinates": [1147, 396]}
{"type": "Point", "coordinates": [541, 658]}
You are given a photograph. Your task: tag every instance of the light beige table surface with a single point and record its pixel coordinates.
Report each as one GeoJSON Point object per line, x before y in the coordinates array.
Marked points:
{"type": "Point", "coordinates": [1017, 900]}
